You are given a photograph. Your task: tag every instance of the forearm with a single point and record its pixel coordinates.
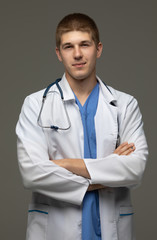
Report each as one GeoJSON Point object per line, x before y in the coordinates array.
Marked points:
{"type": "Point", "coordinates": [76, 166]}
{"type": "Point", "coordinates": [119, 170]}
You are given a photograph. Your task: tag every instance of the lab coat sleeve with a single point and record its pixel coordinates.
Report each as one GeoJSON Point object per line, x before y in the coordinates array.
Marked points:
{"type": "Point", "coordinates": [123, 171]}
{"type": "Point", "coordinates": [39, 174]}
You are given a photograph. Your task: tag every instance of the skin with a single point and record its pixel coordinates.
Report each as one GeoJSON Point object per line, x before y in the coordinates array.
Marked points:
{"type": "Point", "coordinates": [79, 54]}
{"type": "Point", "coordinates": [77, 166]}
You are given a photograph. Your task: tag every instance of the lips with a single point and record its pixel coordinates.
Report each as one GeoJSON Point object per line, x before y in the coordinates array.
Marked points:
{"type": "Point", "coordinates": [79, 65]}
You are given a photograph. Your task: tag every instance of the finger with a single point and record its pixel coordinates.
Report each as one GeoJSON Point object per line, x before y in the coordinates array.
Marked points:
{"type": "Point", "coordinates": [93, 187]}
{"type": "Point", "coordinates": [125, 149]}
{"type": "Point", "coordinates": [120, 147]}
{"type": "Point", "coordinates": [129, 151]}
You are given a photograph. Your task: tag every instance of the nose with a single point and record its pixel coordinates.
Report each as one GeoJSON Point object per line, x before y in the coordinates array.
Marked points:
{"type": "Point", "coordinates": [77, 53]}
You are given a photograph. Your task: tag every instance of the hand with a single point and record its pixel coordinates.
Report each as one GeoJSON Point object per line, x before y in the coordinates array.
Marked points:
{"type": "Point", "coordinates": [93, 187]}
{"type": "Point", "coordinates": [125, 149]}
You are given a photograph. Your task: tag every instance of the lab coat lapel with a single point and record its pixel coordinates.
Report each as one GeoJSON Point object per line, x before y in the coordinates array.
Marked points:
{"type": "Point", "coordinates": [67, 91]}
{"type": "Point", "coordinates": [106, 122]}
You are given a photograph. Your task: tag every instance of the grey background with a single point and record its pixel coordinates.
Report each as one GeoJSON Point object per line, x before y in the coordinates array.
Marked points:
{"type": "Point", "coordinates": [128, 30]}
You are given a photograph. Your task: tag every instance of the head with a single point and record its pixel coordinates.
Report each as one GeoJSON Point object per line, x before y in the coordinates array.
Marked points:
{"type": "Point", "coordinates": [78, 46]}
{"type": "Point", "coordinates": [77, 22]}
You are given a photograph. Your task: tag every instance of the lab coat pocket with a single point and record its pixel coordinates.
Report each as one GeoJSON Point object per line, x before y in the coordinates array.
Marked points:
{"type": "Point", "coordinates": [37, 222]}
{"type": "Point", "coordinates": [125, 223]}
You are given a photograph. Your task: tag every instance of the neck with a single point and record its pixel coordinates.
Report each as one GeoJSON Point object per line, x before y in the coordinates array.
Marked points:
{"type": "Point", "coordinates": [82, 87]}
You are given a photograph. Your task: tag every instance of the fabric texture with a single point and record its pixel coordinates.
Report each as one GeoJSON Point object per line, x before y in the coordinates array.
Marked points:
{"type": "Point", "coordinates": [90, 212]}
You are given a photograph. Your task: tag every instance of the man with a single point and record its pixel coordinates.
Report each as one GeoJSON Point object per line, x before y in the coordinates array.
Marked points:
{"type": "Point", "coordinates": [82, 149]}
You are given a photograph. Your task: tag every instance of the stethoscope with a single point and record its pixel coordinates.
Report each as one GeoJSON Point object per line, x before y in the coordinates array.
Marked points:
{"type": "Point", "coordinates": [55, 127]}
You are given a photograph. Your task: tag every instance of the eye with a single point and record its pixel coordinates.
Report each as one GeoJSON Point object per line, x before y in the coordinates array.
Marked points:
{"type": "Point", "coordinates": [85, 45]}
{"type": "Point", "coordinates": [68, 47]}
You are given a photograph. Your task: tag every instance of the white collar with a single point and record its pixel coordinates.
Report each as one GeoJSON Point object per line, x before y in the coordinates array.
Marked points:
{"type": "Point", "coordinates": [69, 95]}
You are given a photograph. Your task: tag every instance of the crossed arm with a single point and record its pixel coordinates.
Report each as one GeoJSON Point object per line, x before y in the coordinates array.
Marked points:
{"type": "Point", "coordinates": [77, 166]}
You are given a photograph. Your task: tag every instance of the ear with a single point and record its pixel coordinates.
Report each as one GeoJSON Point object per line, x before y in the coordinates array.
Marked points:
{"type": "Point", "coordinates": [99, 49]}
{"type": "Point", "coordinates": [58, 54]}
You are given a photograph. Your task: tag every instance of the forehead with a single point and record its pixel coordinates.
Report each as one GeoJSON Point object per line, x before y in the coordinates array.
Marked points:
{"type": "Point", "coordinates": [75, 37]}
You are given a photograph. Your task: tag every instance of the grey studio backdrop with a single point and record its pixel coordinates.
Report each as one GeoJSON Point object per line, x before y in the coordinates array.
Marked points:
{"type": "Point", "coordinates": [128, 30]}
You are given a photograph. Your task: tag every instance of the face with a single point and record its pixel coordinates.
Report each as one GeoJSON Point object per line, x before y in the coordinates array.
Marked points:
{"type": "Point", "coordinates": [78, 53]}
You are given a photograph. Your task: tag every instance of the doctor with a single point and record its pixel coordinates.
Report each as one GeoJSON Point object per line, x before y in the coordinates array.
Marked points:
{"type": "Point", "coordinates": [81, 171]}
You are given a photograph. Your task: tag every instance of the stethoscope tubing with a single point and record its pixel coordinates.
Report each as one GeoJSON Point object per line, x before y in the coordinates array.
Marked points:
{"type": "Point", "coordinates": [53, 127]}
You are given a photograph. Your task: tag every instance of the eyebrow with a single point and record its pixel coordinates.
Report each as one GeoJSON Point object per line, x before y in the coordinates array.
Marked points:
{"type": "Point", "coordinates": [86, 41]}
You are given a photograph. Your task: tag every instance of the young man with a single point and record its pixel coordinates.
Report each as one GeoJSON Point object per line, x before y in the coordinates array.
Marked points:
{"type": "Point", "coordinates": [82, 149]}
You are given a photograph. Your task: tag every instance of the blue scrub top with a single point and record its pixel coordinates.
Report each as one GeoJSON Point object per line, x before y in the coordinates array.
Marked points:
{"type": "Point", "coordinates": [90, 210]}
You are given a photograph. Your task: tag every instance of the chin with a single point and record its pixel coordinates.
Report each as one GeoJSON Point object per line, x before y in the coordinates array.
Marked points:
{"type": "Point", "coordinates": [80, 76]}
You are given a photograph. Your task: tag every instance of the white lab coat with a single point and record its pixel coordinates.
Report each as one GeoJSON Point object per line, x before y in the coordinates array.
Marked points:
{"type": "Point", "coordinates": [57, 194]}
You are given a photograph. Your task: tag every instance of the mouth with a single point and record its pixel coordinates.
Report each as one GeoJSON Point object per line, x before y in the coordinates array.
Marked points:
{"type": "Point", "coordinates": [79, 65]}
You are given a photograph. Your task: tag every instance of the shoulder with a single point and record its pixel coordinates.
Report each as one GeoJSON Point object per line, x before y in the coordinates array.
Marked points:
{"type": "Point", "coordinates": [127, 105]}
{"type": "Point", "coordinates": [33, 100]}
{"type": "Point", "coordinates": [119, 98]}
{"type": "Point", "coordinates": [123, 99]}
{"type": "Point", "coordinates": [38, 96]}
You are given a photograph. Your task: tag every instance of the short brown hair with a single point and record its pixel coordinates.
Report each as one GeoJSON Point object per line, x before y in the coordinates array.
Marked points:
{"type": "Point", "coordinates": [77, 22]}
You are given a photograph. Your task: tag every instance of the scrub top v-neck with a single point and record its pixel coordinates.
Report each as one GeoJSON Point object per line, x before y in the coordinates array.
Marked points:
{"type": "Point", "coordinates": [90, 210]}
